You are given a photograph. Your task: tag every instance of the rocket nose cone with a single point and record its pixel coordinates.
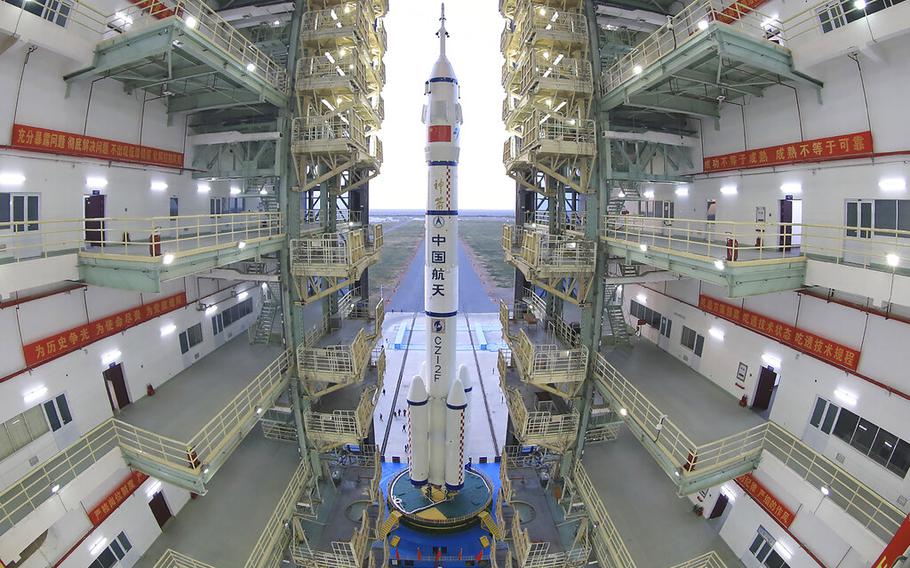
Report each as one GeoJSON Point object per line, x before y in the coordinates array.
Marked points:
{"type": "Point", "coordinates": [465, 377]}
{"type": "Point", "coordinates": [418, 392]}
{"type": "Point", "coordinates": [456, 395]}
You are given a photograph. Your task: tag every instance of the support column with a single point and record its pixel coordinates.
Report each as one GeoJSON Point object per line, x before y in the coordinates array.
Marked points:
{"type": "Point", "coordinates": [595, 203]}
{"type": "Point", "coordinates": [289, 204]}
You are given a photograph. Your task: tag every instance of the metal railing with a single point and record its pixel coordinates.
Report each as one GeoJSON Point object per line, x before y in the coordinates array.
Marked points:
{"type": "Point", "coordinates": [707, 560]}
{"type": "Point", "coordinates": [318, 133]}
{"type": "Point", "coordinates": [135, 238]}
{"type": "Point", "coordinates": [200, 19]}
{"type": "Point", "coordinates": [335, 363]}
{"type": "Point", "coordinates": [573, 221]}
{"type": "Point", "coordinates": [173, 559]}
{"type": "Point", "coordinates": [331, 70]}
{"type": "Point", "coordinates": [226, 427]}
{"type": "Point", "coordinates": [867, 247]}
{"type": "Point", "coordinates": [349, 554]}
{"type": "Point", "coordinates": [540, 127]}
{"type": "Point", "coordinates": [549, 363]}
{"type": "Point", "coordinates": [608, 544]}
{"type": "Point", "coordinates": [539, 21]}
{"type": "Point", "coordinates": [541, 70]}
{"type": "Point", "coordinates": [269, 548]}
{"type": "Point", "coordinates": [340, 20]}
{"type": "Point", "coordinates": [189, 458]}
{"type": "Point", "coordinates": [694, 19]}
{"type": "Point", "coordinates": [537, 554]}
{"type": "Point", "coordinates": [552, 253]}
{"type": "Point", "coordinates": [869, 508]}
{"type": "Point", "coordinates": [315, 254]}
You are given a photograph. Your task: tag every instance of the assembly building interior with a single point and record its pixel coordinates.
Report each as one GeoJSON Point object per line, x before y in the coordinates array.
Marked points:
{"type": "Point", "coordinates": [221, 349]}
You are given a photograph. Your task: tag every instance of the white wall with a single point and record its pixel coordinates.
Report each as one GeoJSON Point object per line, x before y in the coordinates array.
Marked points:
{"type": "Point", "coordinates": [147, 357]}
{"type": "Point", "coordinates": [111, 113]}
{"type": "Point", "coordinates": [803, 378]}
{"type": "Point", "coordinates": [773, 119]}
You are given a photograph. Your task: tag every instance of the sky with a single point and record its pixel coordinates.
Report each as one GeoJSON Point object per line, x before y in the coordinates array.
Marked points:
{"type": "Point", "coordinates": [473, 49]}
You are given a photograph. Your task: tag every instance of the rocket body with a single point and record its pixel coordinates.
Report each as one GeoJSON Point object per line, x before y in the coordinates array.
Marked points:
{"type": "Point", "coordinates": [418, 426]}
{"type": "Point", "coordinates": [442, 117]}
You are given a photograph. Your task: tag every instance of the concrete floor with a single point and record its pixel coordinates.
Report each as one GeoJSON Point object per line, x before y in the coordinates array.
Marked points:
{"type": "Point", "coordinates": [657, 526]}
{"type": "Point", "coordinates": [341, 508]}
{"type": "Point", "coordinates": [703, 410]}
{"type": "Point", "coordinates": [221, 527]}
{"type": "Point", "coordinates": [542, 524]}
{"type": "Point", "coordinates": [184, 404]}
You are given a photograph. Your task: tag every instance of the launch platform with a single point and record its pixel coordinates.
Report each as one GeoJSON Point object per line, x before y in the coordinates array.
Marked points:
{"type": "Point", "coordinates": [437, 512]}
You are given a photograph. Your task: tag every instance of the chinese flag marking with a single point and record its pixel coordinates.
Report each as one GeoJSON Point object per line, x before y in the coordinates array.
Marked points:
{"type": "Point", "coordinates": [440, 133]}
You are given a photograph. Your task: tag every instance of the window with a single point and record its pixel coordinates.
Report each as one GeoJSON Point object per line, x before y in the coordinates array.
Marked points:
{"type": "Point", "coordinates": [839, 13]}
{"type": "Point", "coordinates": [883, 215]}
{"type": "Point", "coordinates": [115, 551]}
{"type": "Point", "coordinates": [230, 315]}
{"type": "Point", "coordinates": [173, 211]}
{"type": "Point", "coordinates": [880, 445]}
{"type": "Point", "coordinates": [220, 205]}
{"type": "Point", "coordinates": [665, 325]}
{"type": "Point", "coordinates": [763, 550]}
{"type": "Point", "coordinates": [190, 338]}
{"type": "Point", "coordinates": [21, 430]}
{"type": "Point", "coordinates": [21, 209]}
{"type": "Point", "coordinates": [692, 341]}
{"type": "Point", "coordinates": [823, 415]}
{"type": "Point", "coordinates": [58, 412]}
{"type": "Point", "coordinates": [645, 313]}
{"type": "Point", "coordinates": [54, 11]}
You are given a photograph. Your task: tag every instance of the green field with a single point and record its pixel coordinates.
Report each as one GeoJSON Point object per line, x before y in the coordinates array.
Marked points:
{"type": "Point", "coordinates": [483, 235]}
{"type": "Point", "coordinates": [401, 238]}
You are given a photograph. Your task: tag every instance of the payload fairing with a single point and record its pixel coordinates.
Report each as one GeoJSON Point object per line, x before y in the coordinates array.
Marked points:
{"type": "Point", "coordinates": [438, 400]}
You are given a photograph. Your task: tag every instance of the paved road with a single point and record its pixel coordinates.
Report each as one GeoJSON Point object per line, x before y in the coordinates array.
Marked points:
{"type": "Point", "coordinates": [472, 297]}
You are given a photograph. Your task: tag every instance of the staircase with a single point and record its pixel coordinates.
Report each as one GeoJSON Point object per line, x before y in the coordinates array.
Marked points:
{"type": "Point", "coordinates": [615, 205]}
{"type": "Point", "coordinates": [628, 270]}
{"type": "Point", "coordinates": [488, 523]}
{"type": "Point", "coordinates": [261, 330]}
{"type": "Point", "coordinates": [619, 331]}
{"type": "Point", "coordinates": [388, 525]}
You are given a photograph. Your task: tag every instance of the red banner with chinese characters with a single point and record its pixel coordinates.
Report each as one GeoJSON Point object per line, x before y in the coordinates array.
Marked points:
{"type": "Point", "coordinates": [765, 499]}
{"type": "Point", "coordinates": [57, 142]}
{"type": "Point", "coordinates": [896, 547]}
{"type": "Point", "coordinates": [70, 340]}
{"type": "Point", "coordinates": [794, 337]}
{"type": "Point", "coordinates": [440, 133]}
{"type": "Point", "coordinates": [116, 497]}
{"type": "Point", "coordinates": [854, 145]}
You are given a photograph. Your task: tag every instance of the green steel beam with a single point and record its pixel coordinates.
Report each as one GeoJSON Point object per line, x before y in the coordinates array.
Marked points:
{"type": "Point", "coordinates": [671, 103]}
{"type": "Point", "coordinates": [209, 101]}
{"type": "Point", "coordinates": [150, 42]}
{"type": "Point", "coordinates": [710, 80]}
{"type": "Point", "coordinates": [595, 207]}
{"type": "Point", "coordinates": [740, 281]}
{"type": "Point", "coordinates": [719, 40]}
{"type": "Point", "coordinates": [147, 275]}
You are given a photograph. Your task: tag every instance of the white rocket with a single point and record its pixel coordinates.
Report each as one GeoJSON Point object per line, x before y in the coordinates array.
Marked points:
{"type": "Point", "coordinates": [437, 413]}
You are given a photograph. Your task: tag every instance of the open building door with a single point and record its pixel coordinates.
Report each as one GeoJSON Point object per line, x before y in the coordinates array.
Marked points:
{"type": "Point", "coordinates": [160, 509]}
{"type": "Point", "coordinates": [117, 392]}
{"type": "Point", "coordinates": [766, 382]}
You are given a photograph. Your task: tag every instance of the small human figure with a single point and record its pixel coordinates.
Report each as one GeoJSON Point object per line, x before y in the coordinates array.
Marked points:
{"type": "Point", "coordinates": [380, 417]}
{"type": "Point", "coordinates": [403, 427]}
{"type": "Point", "coordinates": [383, 391]}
